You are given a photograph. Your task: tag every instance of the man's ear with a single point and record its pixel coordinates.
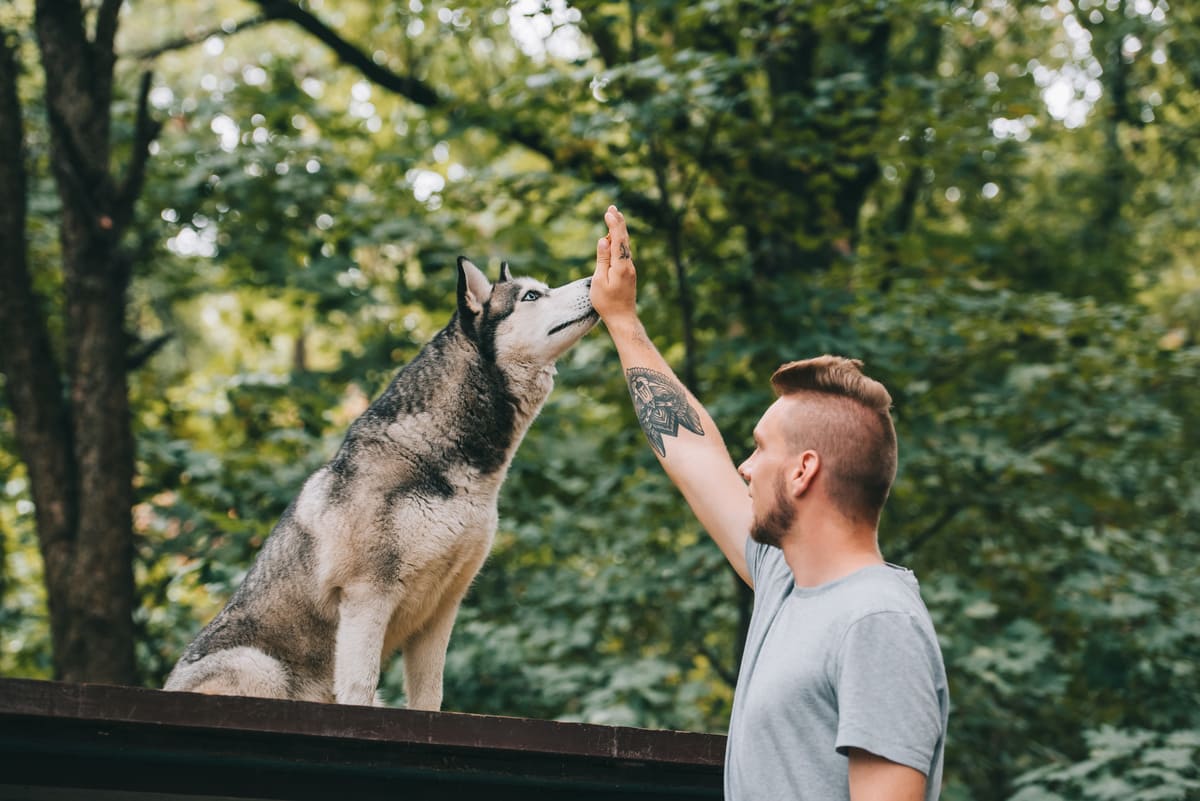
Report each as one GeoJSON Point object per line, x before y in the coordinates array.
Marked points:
{"type": "Point", "coordinates": [473, 288]}
{"type": "Point", "coordinates": [804, 471]}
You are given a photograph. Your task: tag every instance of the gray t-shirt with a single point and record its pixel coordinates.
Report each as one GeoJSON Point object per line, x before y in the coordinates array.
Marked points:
{"type": "Point", "coordinates": [854, 663]}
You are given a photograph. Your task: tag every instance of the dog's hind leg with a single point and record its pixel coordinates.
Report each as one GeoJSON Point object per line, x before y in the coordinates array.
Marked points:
{"type": "Point", "coordinates": [233, 671]}
{"type": "Point", "coordinates": [363, 615]}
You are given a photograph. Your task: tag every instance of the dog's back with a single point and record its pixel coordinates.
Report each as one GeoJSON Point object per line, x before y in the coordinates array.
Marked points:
{"type": "Point", "coordinates": [381, 544]}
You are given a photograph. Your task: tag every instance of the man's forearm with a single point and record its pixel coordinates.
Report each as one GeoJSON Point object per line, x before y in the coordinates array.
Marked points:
{"type": "Point", "coordinates": [662, 404]}
{"type": "Point", "coordinates": [686, 441]}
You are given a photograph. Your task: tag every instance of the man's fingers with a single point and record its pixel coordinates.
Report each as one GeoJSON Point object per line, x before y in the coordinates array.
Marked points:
{"type": "Point", "coordinates": [616, 225]}
{"type": "Point", "coordinates": [614, 262]}
{"type": "Point", "coordinates": [618, 233]}
{"type": "Point", "coordinates": [603, 260]}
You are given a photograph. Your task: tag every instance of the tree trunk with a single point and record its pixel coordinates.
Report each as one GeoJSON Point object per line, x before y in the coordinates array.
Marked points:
{"type": "Point", "coordinates": [74, 433]}
{"type": "Point", "coordinates": [94, 639]}
{"type": "Point", "coordinates": [34, 389]}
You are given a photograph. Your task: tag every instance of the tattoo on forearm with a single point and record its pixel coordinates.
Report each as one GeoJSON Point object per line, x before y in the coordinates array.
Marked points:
{"type": "Point", "coordinates": [661, 406]}
{"type": "Point", "coordinates": [624, 249]}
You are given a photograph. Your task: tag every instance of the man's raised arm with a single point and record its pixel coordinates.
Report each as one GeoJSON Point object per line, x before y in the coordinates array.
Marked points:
{"type": "Point", "coordinates": [681, 432]}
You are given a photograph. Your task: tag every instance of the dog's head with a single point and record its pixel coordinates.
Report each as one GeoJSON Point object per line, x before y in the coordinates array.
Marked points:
{"type": "Point", "coordinates": [522, 320]}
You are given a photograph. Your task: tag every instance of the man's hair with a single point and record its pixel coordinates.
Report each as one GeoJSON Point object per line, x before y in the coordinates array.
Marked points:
{"type": "Point", "coordinates": [847, 421]}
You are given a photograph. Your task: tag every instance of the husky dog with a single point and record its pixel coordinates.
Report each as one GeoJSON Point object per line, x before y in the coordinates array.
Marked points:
{"type": "Point", "coordinates": [379, 548]}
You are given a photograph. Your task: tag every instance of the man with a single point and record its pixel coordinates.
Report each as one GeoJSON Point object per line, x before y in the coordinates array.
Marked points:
{"type": "Point", "coordinates": [842, 692]}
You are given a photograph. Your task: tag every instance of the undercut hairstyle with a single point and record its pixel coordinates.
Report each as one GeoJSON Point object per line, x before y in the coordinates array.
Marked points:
{"type": "Point", "coordinates": [847, 420]}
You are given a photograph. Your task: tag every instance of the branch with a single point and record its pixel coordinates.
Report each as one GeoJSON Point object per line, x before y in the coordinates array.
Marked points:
{"type": "Point", "coordinates": [415, 90]}
{"type": "Point", "coordinates": [146, 130]}
{"type": "Point", "coordinates": [106, 24]}
{"type": "Point", "coordinates": [575, 157]}
{"type": "Point", "coordinates": [1048, 436]}
{"type": "Point", "coordinates": [106, 33]}
{"type": "Point", "coordinates": [12, 136]}
{"type": "Point", "coordinates": [717, 664]}
{"type": "Point", "coordinates": [905, 552]}
{"type": "Point", "coordinates": [191, 40]}
{"type": "Point", "coordinates": [77, 97]}
{"type": "Point", "coordinates": [701, 160]}
{"type": "Point", "coordinates": [635, 48]}
{"type": "Point", "coordinates": [602, 35]}
{"type": "Point", "coordinates": [145, 351]}
{"type": "Point", "coordinates": [674, 220]}
{"type": "Point", "coordinates": [930, 38]}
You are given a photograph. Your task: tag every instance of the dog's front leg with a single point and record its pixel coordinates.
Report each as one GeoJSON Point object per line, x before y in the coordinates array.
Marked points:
{"type": "Point", "coordinates": [425, 660]}
{"type": "Point", "coordinates": [363, 615]}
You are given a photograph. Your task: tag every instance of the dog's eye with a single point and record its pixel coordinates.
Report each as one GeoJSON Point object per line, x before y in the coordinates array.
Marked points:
{"type": "Point", "coordinates": [532, 294]}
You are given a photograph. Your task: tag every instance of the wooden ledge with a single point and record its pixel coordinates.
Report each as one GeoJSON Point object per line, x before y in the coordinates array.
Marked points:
{"type": "Point", "coordinates": [60, 741]}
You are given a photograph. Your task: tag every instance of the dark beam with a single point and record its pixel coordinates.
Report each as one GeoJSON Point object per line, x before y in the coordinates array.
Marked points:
{"type": "Point", "coordinates": [60, 740]}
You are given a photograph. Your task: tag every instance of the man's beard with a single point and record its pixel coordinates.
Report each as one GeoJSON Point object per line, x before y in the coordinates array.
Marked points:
{"type": "Point", "coordinates": [770, 530]}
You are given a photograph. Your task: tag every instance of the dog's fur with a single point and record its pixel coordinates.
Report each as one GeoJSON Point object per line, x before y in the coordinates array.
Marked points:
{"type": "Point", "coordinates": [379, 548]}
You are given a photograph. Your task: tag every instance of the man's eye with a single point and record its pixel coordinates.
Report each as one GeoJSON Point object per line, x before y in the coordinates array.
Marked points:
{"type": "Point", "coordinates": [532, 294]}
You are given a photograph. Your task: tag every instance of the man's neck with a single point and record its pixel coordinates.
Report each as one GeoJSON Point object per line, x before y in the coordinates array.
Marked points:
{"type": "Point", "coordinates": [818, 554]}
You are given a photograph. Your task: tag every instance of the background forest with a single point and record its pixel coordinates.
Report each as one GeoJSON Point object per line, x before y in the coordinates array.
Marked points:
{"type": "Point", "coordinates": [223, 226]}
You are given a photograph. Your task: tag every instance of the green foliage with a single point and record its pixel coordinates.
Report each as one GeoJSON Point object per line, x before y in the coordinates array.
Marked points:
{"type": "Point", "coordinates": [24, 628]}
{"type": "Point", "coordinates": [887, 180]}
{"type": "Point", "coordinates": [1132, 764]}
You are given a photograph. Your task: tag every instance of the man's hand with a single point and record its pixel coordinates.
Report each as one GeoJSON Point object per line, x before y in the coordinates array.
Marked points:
{"type": "Point", "coordinates": [614, 284]}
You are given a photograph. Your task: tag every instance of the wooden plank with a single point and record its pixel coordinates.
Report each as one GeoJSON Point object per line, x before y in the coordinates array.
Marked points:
{"type": "Point", "coordinates": [123, 739]}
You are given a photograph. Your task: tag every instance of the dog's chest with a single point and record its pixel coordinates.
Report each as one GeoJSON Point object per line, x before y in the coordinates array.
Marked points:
{"type": "Point", "coordinates": [433, 570]}
{"type": "Point", "coordinates": [399, 533]}
{"type": "Point", "coordinates": [442, 530]}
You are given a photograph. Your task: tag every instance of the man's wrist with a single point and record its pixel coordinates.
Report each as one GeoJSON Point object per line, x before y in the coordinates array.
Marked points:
{"type": "Point", "coordinates": [624, 326]}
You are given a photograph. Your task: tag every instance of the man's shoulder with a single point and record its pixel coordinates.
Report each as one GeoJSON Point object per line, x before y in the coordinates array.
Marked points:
{"type": "Point", "coordinates": [882, 589]}
{"type": "Point", "coordinates": [887, 580]}
{"type": "Point", "coordinates": [888, 609]}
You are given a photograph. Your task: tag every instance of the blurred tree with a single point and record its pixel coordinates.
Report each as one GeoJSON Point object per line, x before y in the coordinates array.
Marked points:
{"type": "Point", "coordinates": [70, 407]}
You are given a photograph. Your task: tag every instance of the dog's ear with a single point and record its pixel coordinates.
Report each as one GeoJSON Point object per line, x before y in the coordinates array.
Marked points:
{"type": "Point", "coordinates": [473, 287]}
{"type": "Point", "coordinates": [505, 275]}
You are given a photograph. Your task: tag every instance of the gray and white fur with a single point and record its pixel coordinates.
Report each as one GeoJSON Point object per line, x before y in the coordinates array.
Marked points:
{"type": "Point", "coordinates": [378, 549]}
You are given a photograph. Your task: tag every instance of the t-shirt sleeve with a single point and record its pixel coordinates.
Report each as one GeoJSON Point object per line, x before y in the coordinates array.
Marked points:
{"type": "Point", "coordinates": [887, 678]}
{"type": "Point", "coordinates": [766, 565]}
{"type": "Point", "coordinates": [754, 552]}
